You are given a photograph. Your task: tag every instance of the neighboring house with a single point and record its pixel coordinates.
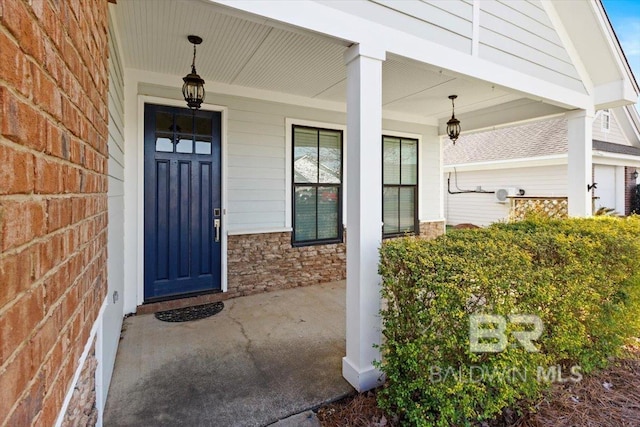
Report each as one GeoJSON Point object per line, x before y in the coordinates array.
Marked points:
{"type": "Point", "coordinates": [114, 197]}
{"type": "Point", "coordinates": [532, 157]}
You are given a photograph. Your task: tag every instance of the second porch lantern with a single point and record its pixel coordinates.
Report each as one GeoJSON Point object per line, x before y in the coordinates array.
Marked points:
{"type": "Point", "coordinates": [193, 87]}
{"type": "Point", "coordinates": [453, 125]}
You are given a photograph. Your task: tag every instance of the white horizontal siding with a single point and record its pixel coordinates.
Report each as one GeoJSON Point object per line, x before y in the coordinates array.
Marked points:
{"type": "Point", "coordinates": [445, 22]}
{"type": "Point", "coordinates": [250, 183]}
{"type": "Point", "coordinates": [256, 158]}
{"type": "Point", "coordinates": [454, 16]}
{"type": "Point", "coordinates": [253, 199]}
{"type": "Point", "coordinates": [520, 35]}
{"type": "Point", "coordinates": [614, 134]}
{"type": "Point", "coordinates": [113, 314]}
{"type": "Point", "coordinates": [256, 151]}
{"type": "Point", "coordinates": [482, 209]}
{"type": "Point", "coordinates": [248, 127]}
{"type": "Point", "coordinates": [256, 162]}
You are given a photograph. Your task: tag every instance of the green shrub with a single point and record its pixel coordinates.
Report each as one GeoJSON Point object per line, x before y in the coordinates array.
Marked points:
{"type": "Point", "coordinates": [581, 277]}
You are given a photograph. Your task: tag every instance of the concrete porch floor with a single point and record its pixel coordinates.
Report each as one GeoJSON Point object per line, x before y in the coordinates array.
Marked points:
{"type": "Point", "coordinates": [261, 359]}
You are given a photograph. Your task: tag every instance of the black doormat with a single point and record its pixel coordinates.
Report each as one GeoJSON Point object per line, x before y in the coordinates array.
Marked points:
{"type": "Point", "coordinates": [187, 314]}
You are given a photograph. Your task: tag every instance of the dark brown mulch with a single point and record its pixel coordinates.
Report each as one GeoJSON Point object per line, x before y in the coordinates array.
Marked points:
{"type": "Point", "coordinates": [610, 398]}
{"type": "Point", "coordinates": [360, 410]}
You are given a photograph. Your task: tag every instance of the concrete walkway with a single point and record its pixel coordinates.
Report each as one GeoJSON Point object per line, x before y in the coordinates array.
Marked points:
{"type": "Point", "coordinates": [261, 359]}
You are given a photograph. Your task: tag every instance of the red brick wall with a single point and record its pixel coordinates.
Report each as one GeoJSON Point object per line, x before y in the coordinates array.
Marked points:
{"type": "Point", "coordinates": [53, 219]}
{"type": "Point", "coordinates": [629, 189]}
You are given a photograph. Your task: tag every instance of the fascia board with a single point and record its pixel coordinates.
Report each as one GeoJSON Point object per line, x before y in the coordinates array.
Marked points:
{"type": "Point", "coordinates": [556, 159]}
{"type": "Point", "coordinates": [615, 159]}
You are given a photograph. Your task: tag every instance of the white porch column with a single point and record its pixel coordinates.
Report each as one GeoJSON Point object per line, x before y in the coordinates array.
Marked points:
{"type": "Point", "coordinates": [580, 175]}
{"type": "Point", "coordinates": [364, 213]}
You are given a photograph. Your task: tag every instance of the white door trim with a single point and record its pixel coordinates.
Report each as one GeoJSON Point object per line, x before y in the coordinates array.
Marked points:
{"type": "Point", "coordinates": [146, 99]}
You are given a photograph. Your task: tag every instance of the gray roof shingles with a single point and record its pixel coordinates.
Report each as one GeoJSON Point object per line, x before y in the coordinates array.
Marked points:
{"type": "Point", "coordinates": [535, 139]}
{"type": "Point", "coordinates": [610, 147]}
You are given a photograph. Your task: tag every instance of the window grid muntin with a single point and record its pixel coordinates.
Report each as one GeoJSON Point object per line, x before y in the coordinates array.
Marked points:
{"type": "Point", "coordinates": [317, 185]}
{"type": "Point", "coordinates": [176, 135]}
{"type": "Point", "coordinates": [416, 226]}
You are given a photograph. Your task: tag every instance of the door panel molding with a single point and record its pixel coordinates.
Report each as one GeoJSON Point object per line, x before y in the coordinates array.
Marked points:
{"type": "Point", "coordinates": [134, 177]}
{"type": "Point", "coordinates": [180, 191]}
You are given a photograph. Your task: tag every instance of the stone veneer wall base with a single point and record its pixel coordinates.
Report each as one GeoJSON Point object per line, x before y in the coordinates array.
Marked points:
{"type": "Point", "coordinates": [268, 261]}
{"type": "Point", "coordinates": [432, 229]}
{"type": "Point", "coordinates": [82, 410]}
{"type": "Point", "coordinates": [262, 262]}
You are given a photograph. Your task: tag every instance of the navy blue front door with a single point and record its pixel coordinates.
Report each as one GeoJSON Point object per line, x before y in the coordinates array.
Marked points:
{"type": "Point", "coordinates": [182, 211]}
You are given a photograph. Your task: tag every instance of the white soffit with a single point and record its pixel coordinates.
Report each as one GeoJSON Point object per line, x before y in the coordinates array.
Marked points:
{"type": "Point", "coordinates": [256, 53]}
{"type": "Point", "coordinates": [295, 63]}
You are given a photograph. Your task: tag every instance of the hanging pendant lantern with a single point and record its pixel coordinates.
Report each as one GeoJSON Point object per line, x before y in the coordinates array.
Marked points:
{"type": "Point", "coordinates": [193, 87]}
{"type": "Point", "coordinates": [453, 125]}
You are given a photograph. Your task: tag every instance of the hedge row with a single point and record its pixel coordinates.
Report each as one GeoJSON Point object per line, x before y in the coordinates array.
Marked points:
{"type": "Point", "coordinates": [581, 277]}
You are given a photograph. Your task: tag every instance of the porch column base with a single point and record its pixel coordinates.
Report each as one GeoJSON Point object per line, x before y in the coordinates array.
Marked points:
{"type": "Point", "coordinates": [361, 380]}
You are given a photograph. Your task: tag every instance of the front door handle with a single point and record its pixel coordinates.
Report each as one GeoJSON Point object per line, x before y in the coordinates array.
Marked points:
{"type": "Point", "coordinates": [216, 224]}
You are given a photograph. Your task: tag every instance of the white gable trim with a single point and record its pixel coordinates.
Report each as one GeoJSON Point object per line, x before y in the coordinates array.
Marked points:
{"type": "Point", "coordinates": [615, 46]}
{"type": "Point", "coordinates": [624, 117]}
{"type": "Point", "coordinates": [568, 45]}
{"type": "Point", "coordinates": [614, 94]}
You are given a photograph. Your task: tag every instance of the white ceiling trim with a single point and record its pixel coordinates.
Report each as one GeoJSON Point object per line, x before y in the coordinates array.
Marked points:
{"type": "Point", "coordinates": [213, 88]}
{"type": "Point", "coordinates": [246, 55]}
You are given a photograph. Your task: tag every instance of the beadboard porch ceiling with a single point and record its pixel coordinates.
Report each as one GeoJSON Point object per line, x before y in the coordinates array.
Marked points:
{"type": "Point", "coordinates": [248, 51]}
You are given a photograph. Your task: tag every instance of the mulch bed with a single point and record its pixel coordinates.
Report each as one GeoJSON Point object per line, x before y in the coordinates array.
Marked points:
{"type": "Point", "coordinates": [360, 410]}
{"type": "Point", "coordinates": [610, 398]}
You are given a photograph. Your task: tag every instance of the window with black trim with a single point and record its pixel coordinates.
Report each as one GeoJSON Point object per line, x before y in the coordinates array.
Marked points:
{"type": "Point", "coordinates": [317, 185]}
{"type": "Point", "coordinates": [399, 186]}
